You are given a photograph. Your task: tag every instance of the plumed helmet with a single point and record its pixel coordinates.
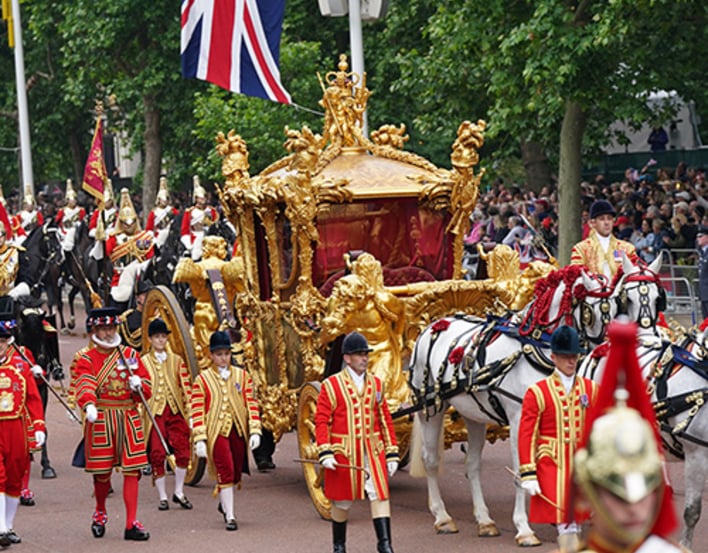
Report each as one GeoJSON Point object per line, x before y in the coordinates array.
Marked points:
{"type": "Point", "coordinates": [355, 343]}
{"type": "Point", "coordinates": [158, 326]}
{"type": "Point", "coordinates": [163, 194]}
{"type": "Point", "coordinates": [601, 207]}
{"type": "Point", "coordinates": [70, 193]}
{"type": "Point", "coordinates": [127, 214]}
{"type": "Point", "coordinates": [198, 190]}
{"type": "Point", "coordinates": [108, 192]}
{"type": "Point", "coordinates": [103, 316]}
{"type": "Point", "coordinates": [28, 199]}
{"type": "Point", "coordinates": [621, 454]}
{"type": "Point", "coordinates": [565, 341]}
{"type": "Point", "coordinates": [219, 340]}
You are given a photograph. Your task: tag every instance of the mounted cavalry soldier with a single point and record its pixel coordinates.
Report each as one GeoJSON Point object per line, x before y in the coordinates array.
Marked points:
{"type": "Point", "coordinates": [111, 382]}
{"type": "Point", "coordinates": [128, 248]}
{"type": "Point", "coordinates": [162, 215]}
{"type": "Point", "coordinates": [69, 217]}
{"type": "Point", "coordinates": [13, 280]}
{"type": "Point", "coordinates": [196, 221]}
{"type": "Point", "coordinates": [29, 217]}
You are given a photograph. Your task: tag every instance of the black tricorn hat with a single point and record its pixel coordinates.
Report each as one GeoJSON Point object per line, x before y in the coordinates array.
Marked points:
{"type": "Point", "coordinates": [601, 207]}
{"type": "Point", "coordinates": [355, 343]}
{"type": "Point", "coordinates": [158, 326]}
{"type": "Point", "coordinates": [565, 341]}
{"type": "Point", "coordinates": [219, 340]}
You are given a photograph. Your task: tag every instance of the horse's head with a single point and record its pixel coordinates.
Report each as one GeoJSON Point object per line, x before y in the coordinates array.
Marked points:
{"type": "Point", "coordinates": [639, 293]}
{"type": "Point", "coordinates": [51, 243]}
{"type": "Point", "coordinates": [593, 308]}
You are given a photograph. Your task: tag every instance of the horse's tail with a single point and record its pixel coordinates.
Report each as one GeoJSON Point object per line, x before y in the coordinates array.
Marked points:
{"type": "Point", "coordinates": [417, 467]}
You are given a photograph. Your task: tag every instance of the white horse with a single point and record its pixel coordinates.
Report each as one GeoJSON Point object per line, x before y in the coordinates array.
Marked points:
{"type": "Point", "coordinates": [483, 368]}
{"type": "Point", "coordinates": [677, 378]}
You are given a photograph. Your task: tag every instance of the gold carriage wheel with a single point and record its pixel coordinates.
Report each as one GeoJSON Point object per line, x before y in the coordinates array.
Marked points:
{"type": "Point", "coordinates": [307, 445]}
{"type": "Point", "coordinates": [161, 302]}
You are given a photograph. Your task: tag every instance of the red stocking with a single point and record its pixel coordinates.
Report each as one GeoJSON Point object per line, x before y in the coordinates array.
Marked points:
{"type": "Point", "coordinates": [130, 498]}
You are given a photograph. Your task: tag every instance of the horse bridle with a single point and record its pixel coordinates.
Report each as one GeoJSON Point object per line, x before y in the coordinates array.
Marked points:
{"type": "Point", "coordinates": [640, 282]}
{"type": "Point", "coordinates": [587, 310]}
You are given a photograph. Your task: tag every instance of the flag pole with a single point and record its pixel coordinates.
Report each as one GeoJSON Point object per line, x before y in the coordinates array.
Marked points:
{"type": "Point", "coordinates": [22, 111]}
{"type": "Point", "coordinates": [356, 44]}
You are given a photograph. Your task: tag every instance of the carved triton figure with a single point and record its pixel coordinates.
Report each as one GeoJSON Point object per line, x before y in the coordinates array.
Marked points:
{"type": "Point", "coordinates": [214, 283]}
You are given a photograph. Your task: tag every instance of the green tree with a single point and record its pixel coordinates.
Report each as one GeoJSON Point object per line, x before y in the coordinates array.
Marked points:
{"type": "Point", "coordinates": [559, 72]}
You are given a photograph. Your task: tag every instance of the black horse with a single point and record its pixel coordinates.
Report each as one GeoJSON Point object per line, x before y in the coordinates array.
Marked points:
{"type": "Point", "coordinates": [42, 260]}
{"type": "Point", "coordinates": [36, 332]}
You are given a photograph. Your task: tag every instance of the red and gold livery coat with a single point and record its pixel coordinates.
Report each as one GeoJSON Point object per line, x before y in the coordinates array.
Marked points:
{"type": "Point", "coordinates": [552, 423]}
{"type": "Point", "coordinates": [218, 405]}
{"type": "Point", "coordinates": [171, 386]}
{"type": "Point", "coordinates": [23, 357]}
{"type": "Point", "coordinates": [589, 252]}
{"type": "Point", "coordinates": [20, 403]}
{"type": "Point", "coordinates": [350, 427]}
{"type": "Point", "coordinates": [117, 437]}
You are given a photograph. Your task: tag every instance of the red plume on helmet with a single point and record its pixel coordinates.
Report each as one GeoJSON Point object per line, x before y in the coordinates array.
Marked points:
{"type": "Point", "coordinates": [622, 370]}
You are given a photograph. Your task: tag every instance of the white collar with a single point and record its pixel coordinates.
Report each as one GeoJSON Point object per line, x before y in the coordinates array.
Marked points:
{"type": "Point", "coordinates": [358, 379]}
{"type": "Point", "coordinates": [107, 345]}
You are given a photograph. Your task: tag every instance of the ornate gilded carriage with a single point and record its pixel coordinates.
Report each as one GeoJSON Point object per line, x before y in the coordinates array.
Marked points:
{"type": "Point", "coordinates": [346, 233]}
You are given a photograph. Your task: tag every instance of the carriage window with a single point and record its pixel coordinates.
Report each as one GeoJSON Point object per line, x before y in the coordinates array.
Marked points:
{"type": "Point", "coordinates": [396, 231]}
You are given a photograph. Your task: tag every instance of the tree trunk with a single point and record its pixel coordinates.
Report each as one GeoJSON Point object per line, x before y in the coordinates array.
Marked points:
{"type": "Point", "coordinates": [153, 154]}
{"type": "Point", "coordinates": [569, 172]}
{"type": "Point", "coordinates": [538, 169]}
{"type": "Point", "coordinates": [78, 160]}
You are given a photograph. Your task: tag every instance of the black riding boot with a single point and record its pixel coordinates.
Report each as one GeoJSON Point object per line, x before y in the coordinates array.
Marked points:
{"type": "Point", "coordinates": [339, 536]}
{"type": "Point", "coordinates": [383, 534]}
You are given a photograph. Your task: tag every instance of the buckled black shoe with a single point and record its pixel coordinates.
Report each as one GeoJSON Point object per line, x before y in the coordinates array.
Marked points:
{"type": "Point", "coordinates": [5, 539]}
{"type": "Point", "coordinates": [13, 537]}
{"type": "Point", "coordinates": [136, 532]}
{"type": "Point", "coordinates": [231, 525]}
{"type": "Point", "coordinates": [98, 524]}
{"type": "Point", "coordinates": [163, 505]}
{"type": "Point", "coordinates": [183, 501]}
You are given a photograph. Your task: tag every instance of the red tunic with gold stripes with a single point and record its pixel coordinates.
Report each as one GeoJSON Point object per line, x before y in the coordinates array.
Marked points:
{"type": "Point", "coordinates": [25, 358]}
{"type": "Point", "coordinates": [116, 439]}
{"type": "Point", "coordinates": [19, 403]}
{"type": "Point", "coordinates": [123, 249]}
{"type": "Point", "coordinates": [219, 408]}
{"type": "Point", "coordinates": [356, 429]}
{"type": "Point", "coordinates": [552, 422]}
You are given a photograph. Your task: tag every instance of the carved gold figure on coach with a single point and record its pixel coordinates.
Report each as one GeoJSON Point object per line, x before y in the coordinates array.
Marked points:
{"type": "Point", "coordinates": [361, 302]}
{"type": "Point", "coordinates": [212, 280]}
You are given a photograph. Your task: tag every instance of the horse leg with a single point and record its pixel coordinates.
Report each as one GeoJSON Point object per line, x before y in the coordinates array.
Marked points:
{"type": "Point", "coordinates": [72, 297]}
{"type": "Point", "coordinates": [47, 470]}
{"type": "Point", "coordinates": [476, 436]}
{"type": "Point", "coordinates": [431, 435]}
{"type": "Point", "coordinates": [695, 479]}
{"type": "Point", "coordinates": [525, 536]}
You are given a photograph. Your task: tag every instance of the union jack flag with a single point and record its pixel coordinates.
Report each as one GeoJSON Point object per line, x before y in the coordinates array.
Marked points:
{"type": "Point", "coordinates": [234, 44]}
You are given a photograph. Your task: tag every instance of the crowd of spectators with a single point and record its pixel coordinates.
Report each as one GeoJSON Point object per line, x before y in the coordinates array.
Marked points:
{"type": "Point", "coordinates": [657, 209]}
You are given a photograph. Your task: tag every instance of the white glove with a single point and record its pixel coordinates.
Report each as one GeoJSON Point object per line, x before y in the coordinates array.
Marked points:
{"type": "Point", "coordinates": [254, 441]}
{"type": "Point", "coordinates": [91, 413]}
{"type": "Point", "coordinates": [531, 486]}
{"type": "Point", "coordinates": [200, 449]}
{"type": "Point", "coordinates": [135, 382]}
{"type": "Point", "coordinates": [329, 463]}
{"type": "Point", "coordinates": [37, 370]}
{"type": "Point", "coordinates": [392, 467]}
{"type": "Point", "coordinates": [40, 437]}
